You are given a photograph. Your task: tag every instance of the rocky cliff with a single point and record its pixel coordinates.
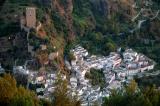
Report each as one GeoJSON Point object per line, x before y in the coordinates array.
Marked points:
{"type": "Point", "coordinates": [65, 8]}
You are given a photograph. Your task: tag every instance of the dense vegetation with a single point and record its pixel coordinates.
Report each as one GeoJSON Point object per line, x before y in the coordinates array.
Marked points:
{"type": "Point", "coordinates": [132, 96]}
{"type": "Point", "coordinates": [96, 77]}
{"type": "Point", "coordinates": [148, 81]}
{"type": "Point", "coordinates": [11, 95]}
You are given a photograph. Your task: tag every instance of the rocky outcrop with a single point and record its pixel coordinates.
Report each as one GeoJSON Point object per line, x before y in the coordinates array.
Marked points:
{"type": "Point", "coordinates": [65, 10]}
{"type": "Point", "coordinates": [107, 8]}
{"type": "Point", "coordinates": [125, 7]}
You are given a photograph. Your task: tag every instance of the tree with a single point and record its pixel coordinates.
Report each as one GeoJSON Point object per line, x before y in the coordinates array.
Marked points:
{"type": "Point", "coordinates": [62, 97]}
{"type": "Point", "coordinates": [11, 95]}
{"type": "Point", "coordinates": [44, 102]}
{"type": "Point", "coordinates": [110, 47]}
{"type": "Point", "coordinates": [98, 36]}
{"type": "Point", "coordinates": [24, 97]}
{"type": "Point", "coordinates": [132, 87]}
{"type": "Point", "coordinates": [96, 77]}
{"type": "Point", "coordinates": [7, 89]}
{"type": "Point", "coordinates": [71, 56]}
{"type": "Point", "coordinates": [153, 95]}
{"type": "Point", "coordinates": [130, 96]}
{"type": "Point", "coordinates": [116, 99]}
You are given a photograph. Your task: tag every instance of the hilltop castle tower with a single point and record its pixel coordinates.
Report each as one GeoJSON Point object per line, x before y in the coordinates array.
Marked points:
{"type": "Point", "coordinates": [31, 17]}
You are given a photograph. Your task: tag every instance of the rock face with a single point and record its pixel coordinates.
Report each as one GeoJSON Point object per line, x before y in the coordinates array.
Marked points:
{"type": "Point", "coordinates": [102, 9]}
{"type": "Point", "coordinates": [65, 10]}
{"type": "Point", "coordinates": [69, 19]}
{"type": "Point", "coordinates": [107, 7]}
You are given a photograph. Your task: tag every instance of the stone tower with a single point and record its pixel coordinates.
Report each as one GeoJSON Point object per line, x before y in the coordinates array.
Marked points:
{"type": "Point", "coordinates": [31, 17]}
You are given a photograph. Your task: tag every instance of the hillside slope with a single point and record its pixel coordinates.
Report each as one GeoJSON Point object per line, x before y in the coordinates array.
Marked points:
{"type": "Point", "coordinates": [100, 25]}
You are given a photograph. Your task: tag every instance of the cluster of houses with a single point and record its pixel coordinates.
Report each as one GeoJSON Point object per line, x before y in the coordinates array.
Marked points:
{"type": "Point", "coordinates": [133, 63]}
{"type": "Point", "coordinates": [43, 83]}
{"type": "Point", "coordinates": [116, 67]}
